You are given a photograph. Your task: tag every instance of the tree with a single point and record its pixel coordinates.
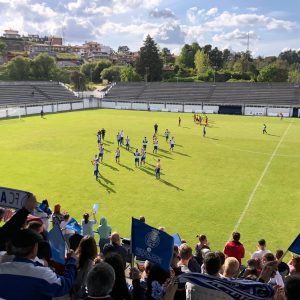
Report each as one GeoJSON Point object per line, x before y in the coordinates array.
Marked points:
{"type": "Point", "coordinates": [111, 74]}
{"type": "Point", "coordinates": [78, 80]}
{"type": "Point", "coordinates": [201, 62]}
{"type": "Point", "coordinates": [165, 55]}
{"type": "Point", "coordinates": [88, 69]}
{"type": "Point", "coordinates": [3, 47]}
{"type": "Point", "coordinates": [291, 56]}
{"type": "Point", "coordinates": [187, 55]}
{"type": "Point", "coordinates": [294, 76]}
{"type": "Point", "coordinates": [272, 73]}
{"type": "Point", "coordinates": [19, 68]}
{"type": "Point", "coordinates": [128, 73]}
{"type": "Point", "coordinates": [149, 62]}
{"type": "Point", "coordinates": [100, 66]}
{"type": "Point", "coordinates": [42, 66]}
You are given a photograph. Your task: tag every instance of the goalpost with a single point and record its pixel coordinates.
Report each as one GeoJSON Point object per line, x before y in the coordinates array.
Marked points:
{"type": "Point", "coordinates": [10, 112]}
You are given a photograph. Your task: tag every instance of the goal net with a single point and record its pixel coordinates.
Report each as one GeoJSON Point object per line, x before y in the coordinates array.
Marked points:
{"type": "Point", "coordinates": [9, 112]}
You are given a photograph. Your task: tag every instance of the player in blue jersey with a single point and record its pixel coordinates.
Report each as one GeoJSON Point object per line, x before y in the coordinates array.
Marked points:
{"type": "Point", "coordinates": [155, 145]}
{"type": "Point", "coordinates": [143, 156]}
{"type": "Point", "coordinates": [95, 163]}
{"type": "Point", "coordinates": [118, 154]}
{"type": "Point", "coordinates": [101, 152]}
{"type": "Point", "coordinates": [137, 158]}
{"type": "Point", "coordinates": [172, 143]}
{"type": "Point", "coordinates": [167, 133]}
{"type": "Point", "coordinates": [157, 169]}
{"type": "Point", "coordinates": [127, 143]}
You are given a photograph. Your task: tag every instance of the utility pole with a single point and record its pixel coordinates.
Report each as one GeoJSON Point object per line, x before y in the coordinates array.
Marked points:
{"type": "Point", "coordinates": [147, 69]}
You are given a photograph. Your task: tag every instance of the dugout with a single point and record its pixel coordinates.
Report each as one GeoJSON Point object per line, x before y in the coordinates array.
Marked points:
{"type": "Point", "coordinates": [230, 110]}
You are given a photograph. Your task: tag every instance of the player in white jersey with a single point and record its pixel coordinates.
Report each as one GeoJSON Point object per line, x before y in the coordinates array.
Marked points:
{"type": "Point", "coordinates": [145, 142]}
{"type": "Point", "coordinates": [122, 137]}
{"type": "Point", "coordinates": [137, 158]}
{"type": "Point", "coordinates": [155, 145]}
{"type": "Point", "coordinates": [143, 156]}
{"type": "Point", "coordinates": [95, 163]}
{"type": "Point", "coordinates": [99, 137]}
{"type": "Point", "coordinates": [118, 154]}
{"type": "Point", "coordinates": [127, 143]}
{"type": "Point", "coordinates": [101, 152]}
{"type": "Point", "coordinates": [172, 143]}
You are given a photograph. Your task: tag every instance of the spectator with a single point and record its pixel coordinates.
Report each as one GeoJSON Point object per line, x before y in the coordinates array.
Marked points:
{"type": "Point", "coordinates": [23, 279]}
{"type": "Point", "coordinates": [104, 230]}
{"type": "Point", "coordinates": [2, 212]}
{"type": "Point", "coordinates": [86, 253]}
{"type": "Point", "coordinates": [57, 216]}
{"type": "Point", "coordinates": [66, 232]}
{"type": "Point", "coordinates": [231, 267]}
{"type": "Point", "coordinates": [276, 279]}
{"type": "Point", "coordinates": [201, 248]}
{"type": "Point", "coordinates": [295, 263]}
{"type": "Point", "coordinates": [283, 268]}
{"type": "Point", "coordinates": [142, 219]}
{"type": "Point", "coordinates": [235, 248]}
{"type": "Point", "coordinates": [120, 290]}
{"type": "Point", "coordinates": [87, 225]}
{"type": "Point", "coordinates": [74, 241]}
{"type": "Point", "coordinates": [261, 246]}
{"type": "Point", "coordinates": [185, 254]}
{"type": "Point", "coordinates": [100, 281]}
{"type": "Point", "coordinates": [292, 288]}
{"type": "Point", "coordinates": [212, 264]}
{"type": "Point", "coordinates": [252, 270]}
{"type": "Point", "coordinates": [222, 260]}
{"type": "Point", "coordinates": [17, 221]}
{"type": "Point", "coordinates": [116, 246]}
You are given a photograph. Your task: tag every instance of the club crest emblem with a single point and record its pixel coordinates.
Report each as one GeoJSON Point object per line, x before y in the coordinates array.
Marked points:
{"type": "Point", "coordinates": [152, 238]}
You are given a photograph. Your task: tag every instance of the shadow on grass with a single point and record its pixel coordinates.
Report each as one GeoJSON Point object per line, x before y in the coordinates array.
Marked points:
{"type": "Point", "coordinates": [111, 167]}
{"type": "Point", "coordinates": [105, 150]}
{"type": "Point", "coordinates": [149, 171]}
{"type": "Point", "coordinates": [107, 181]}
{"type": "Point", "coordinates": [108, 189]}
{"type": "Point", "coordinates": [185, 127]}
{"type": "Point", "coordinates": [164, 151]}
{"type": "Point", "coordinates": [182, 154]}
{"type": "Point", "coordinates": [107, 142]}
{"type": "Point", "coordinates": [212, 138]}
{"type": "Point", "coordinates": [151, 165]}
{"type": "Point", "coordinates": [179, 145]}
{"type": "Point", "coordinates": [273, 135]}
{"type": "Point", "coordinates": [125, 167]}
{"type": "Point", "coordinates": [158, 155]}
{"type": "Point", "coordinates": [171, 185]}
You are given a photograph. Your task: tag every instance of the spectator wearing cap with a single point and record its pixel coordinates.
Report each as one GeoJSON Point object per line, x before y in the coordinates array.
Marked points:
{"type": "Point", "coordinates": [116, 246]}
{"type": "Point", "coordinates": [100, 281]}
{"type": "Point", "coordinates": [24, 279]}
{"type": "Point", "coordinates": [261, 250]}
{"type": "Point", "coordinates": [235, 248]}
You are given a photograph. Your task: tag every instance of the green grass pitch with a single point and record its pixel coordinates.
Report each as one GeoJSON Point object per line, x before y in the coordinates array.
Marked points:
{"type": "Point", "coordinates": [205, 184]}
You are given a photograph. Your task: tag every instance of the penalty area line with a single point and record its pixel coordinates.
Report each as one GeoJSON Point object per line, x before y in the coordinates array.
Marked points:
{"type": "Point", "coordinates": [260, 180]}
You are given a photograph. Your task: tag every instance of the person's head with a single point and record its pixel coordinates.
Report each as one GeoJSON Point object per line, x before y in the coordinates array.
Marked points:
{"type": "Point", "coordinates": [86, 218]}
{"type": "Point", "coordinates": [74, 241]}
{"type": "Point", "coordinates": [161, 228]}
{"type": "Point", "coordinates": [296, 263]}
{"type": "Point", "coordinates": [66, 217]}
{"type": "Point", "coordinates": [236, 236]}
{"type": "Point", "coordinates": [103, 221]}
{"type": "Point", "coordinates": [36, 226]}
{"type": "Point", "coordinates": [24, 243]}
{"type": "Point", "coordinates": [142, 219]}
{"type": "Point", "coordinates": [87, 250]}
{"type": "Point", "coordinates": [45, 202]}
{"type": "Point", "coordinates": [2, 211]}
{"type": "Point", "coordinates": [278, 253]}
{"type": "Point", "coordinates": [136, 150]}
{"type": "Point", "coordinates": [212, 263]}
{"type": "Point", "coordinates": [100, 280]}
{"type": "Point", "coordinates": [57, 208]}
{"type": "Point", "coordinates": [261, 244]}
{"type": "Point", "coordinates": [292, 287]}
{"type": "Point", "coordinates": [115, 238]}
{"type": "Point", "coordinates": [267, 257]}
{"type": "Point", "coordinates": [221, 256]}
{"type": "Point", "coordinates": [231, 267]}
{"type": "Point", "coordinates": [185, 252]}
{"type": "Point", "coordinates": [202, 239]}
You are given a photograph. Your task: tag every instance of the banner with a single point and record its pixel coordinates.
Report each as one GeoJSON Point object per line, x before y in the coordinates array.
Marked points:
{"type": "Point", "coordinates": [96, 207]}
{"type": "Point", "coordinates": [177, 239]}
{"type": "Point", "coordinates": [57, 244]}
{"type": "Point", "coordinates": [237, 289]}
{"type": "Point", "coordinates": [73, 225]}
{"type": "Point", "coordinates": [295, 246]}
{"type": "Point", "coordinates": [12, 198]}
{"type": "Point", "coordinates": [151, 244]}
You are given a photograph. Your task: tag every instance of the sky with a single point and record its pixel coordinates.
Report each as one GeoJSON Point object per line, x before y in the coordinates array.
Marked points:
{"type": "Point", "coordinates": [272, 25]}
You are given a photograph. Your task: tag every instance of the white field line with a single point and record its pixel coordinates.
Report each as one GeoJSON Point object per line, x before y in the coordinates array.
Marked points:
{"type": "Point", "coordinates": [259, 181]}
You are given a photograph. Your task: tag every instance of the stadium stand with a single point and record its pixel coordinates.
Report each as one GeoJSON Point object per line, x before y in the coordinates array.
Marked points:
{"type": "Point", "coordinates": [29, 92]}
{"type": "Point", "coordinates": [278, 94]}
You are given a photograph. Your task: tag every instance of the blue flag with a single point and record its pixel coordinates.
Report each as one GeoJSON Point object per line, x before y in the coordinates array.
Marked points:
{"type": "Point", "coordinates": [237, 289]}
{"type": "Point", "coordinates": [73, 225]}
{"type": "Point", "coordinates": [151, 244]}
{"type": "Point", "coordinates": [177, 239]}
{"type": "Point", "coordinates": [295, 246]}
{"type": "Point", "coordinates": [57, 244]}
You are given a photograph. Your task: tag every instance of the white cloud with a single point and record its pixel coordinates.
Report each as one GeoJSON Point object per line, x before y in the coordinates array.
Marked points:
{"type": "Point", "coordinates": [193, 14]}
{"type": "Point", "coordinates": [252, 9]}
{"type": "Point", "coordinates": [212, 11]}
{"type": "Point", "coordinates": [235, 36]}
{"type": "Point", "coordinates": [162, 13]}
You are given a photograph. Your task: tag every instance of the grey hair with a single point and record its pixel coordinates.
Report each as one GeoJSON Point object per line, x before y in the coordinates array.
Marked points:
{"type": "Point", "coordinates": [100, 280]}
